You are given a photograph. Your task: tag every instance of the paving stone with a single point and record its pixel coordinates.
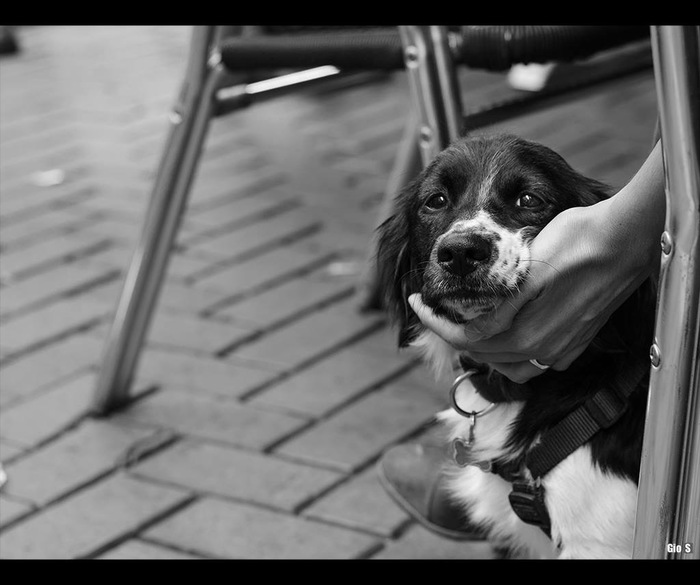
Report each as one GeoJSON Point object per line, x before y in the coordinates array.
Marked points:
{"type": "Point", "coordinates": [223, 471]}
{"type": "Point", "coordinates": [137, 550]}
{"type": "Point", "coordinates": [47, 323]}
{"type": "Point", "coordinates": [264, 269]}
{"type": "Point", "coordinates": [119, 255]}
{"type": "Point", "coordinates": [420, 544]}
{"type": "Point", "coordinates": [89, 520]}
{"type": "Point", "coordinates": [9, 450]}
{"type": "Point", "coordinates": [214, 528]}
{"type": "Point", "coordinates": [200, 335]}
{"type": "Point", "coordinates": [43, 287]}
{"type": "Point", "coordinates": [360, 503]}
{"type": "Point", "coordinates": [239, 211]}
{"type": "Point", "coordinates": [361, 431]}
{"type": "Point", "coordinates": [331, 382]}
{"type": "Point", "coordinates": [187, 333]}
{"type": "Point", "coordinates": [79, 456]}
{"type": "Point", "coordinates": [214, 418]}
{"type": "Point", "coordinates": [19, 234]}
{"type": "Point", "coordinates": [48, 413]}
{"type": "Point", "coordinates": [213, 190]}
{"type": "Point", "coordinates": [51, 364]}
{"type": "Point", "coordinates": [11, 509]}
{"type": "Point", "coordinates": [259, 234]}
{"type": "Point", "coordinates": [190, 299]}
{"type": "Point", "coordinates": [182, 267]}
{"type": "Point", "coordinates": [30, 201]}
{"type": "Point", "coordinates": [125, 233]}
{"type": "Point", "coordinates": [284, 301]}
{"type": "Point", "coordinates": [201, 373]}
{"type": "Point", "coordinates": [45, 255]}
{"type": "Point", "coordinates": [296, 343]}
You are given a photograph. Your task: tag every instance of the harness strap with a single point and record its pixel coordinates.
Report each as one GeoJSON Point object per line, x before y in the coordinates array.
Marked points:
{"type": "Point", "coordinates": [600, 411]}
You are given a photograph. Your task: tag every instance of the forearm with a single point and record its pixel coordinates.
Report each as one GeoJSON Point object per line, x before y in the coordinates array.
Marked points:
{"type": "Point", "coordinates": [637, 212]}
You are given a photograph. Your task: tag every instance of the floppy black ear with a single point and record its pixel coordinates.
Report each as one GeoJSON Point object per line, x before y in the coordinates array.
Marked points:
{"type": "Point", "coordinates": [398, 274]}
{"type": "Point", "coordinates": [573, 188]}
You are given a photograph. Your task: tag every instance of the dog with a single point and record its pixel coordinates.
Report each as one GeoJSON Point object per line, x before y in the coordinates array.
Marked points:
{"type": "Point", "coordinates": [460, 235]}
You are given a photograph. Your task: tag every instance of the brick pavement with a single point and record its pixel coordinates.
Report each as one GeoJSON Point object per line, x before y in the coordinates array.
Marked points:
{"type": "Point", "coordinates": [263, 398]}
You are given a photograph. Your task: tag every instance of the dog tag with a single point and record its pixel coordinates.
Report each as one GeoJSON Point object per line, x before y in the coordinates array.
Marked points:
{"type": "Point", "coordinates": [461, 452]}
{"type": "Point", "coordinates": [485, 466]}
{"type": "Point", "coordinates": [461, 448]}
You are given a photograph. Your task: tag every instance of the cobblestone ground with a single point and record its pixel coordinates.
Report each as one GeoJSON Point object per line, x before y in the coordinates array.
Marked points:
{"type": "Point", "coordinates": [264, 398]}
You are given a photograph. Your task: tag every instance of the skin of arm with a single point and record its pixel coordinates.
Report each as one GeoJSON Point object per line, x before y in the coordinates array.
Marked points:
{"type": "Point", "coordinates": [586, 263]}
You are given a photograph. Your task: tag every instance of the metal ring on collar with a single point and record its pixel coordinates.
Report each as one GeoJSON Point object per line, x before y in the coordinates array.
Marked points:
{"type": "Point", "coordinates": [539, 365]}
{"type": "Point", "coordinates": [453, 399]}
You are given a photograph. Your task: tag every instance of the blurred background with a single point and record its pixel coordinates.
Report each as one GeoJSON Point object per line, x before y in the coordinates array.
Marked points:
{"type": "Point", "coordinates": [264, 397]}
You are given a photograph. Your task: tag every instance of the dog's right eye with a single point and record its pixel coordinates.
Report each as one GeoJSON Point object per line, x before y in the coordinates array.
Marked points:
{"type": "Point", "coordinates": [436, 201]}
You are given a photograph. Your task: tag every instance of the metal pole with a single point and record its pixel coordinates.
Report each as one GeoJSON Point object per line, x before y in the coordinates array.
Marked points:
{"type": "Point", "coordinates": [668, 504]}
{"type": "Point", "coordinates": [448, 86]}
{"type": "Point", "coordinates": [433, 87]}
{"type": "Point", "coordinates": [144, 277]}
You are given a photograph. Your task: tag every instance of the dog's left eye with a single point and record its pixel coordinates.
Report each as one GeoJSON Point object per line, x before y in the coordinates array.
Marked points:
{"type": "Point", "coordinates": [437, 201]}
{"type": "Point", "coordinates": [529, 201]}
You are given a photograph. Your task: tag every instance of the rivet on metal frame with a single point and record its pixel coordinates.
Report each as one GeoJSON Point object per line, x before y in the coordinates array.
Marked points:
{"type": "Point", "coordinates": [655, 355]}
{"type": "Point", "coordinates": [426, 135]}
{"type": "Point", "coordinates": [666, 243]}
{"type": "Point", "coordinates": [411, 55]}
{"type": "Point", "coordinates": [214, 59]}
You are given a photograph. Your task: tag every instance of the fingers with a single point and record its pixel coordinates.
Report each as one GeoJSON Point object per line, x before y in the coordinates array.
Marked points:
{"type": "Point", "coordinates": [488, 340]}
{"type": "Point", "coordinates": [523, 371]}
{"type": "Point", "coordinates": [463, 334]}
{"type": "Point", "coordinates": [452, 333]}
{"type": "Point", "coordinates": [492, 323]}
{"type": "Point", "coordinates": [518, 372]}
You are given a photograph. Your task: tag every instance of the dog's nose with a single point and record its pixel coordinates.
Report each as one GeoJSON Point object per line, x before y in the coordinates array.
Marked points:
{"type": "Point", "coordinates": [462, 254]}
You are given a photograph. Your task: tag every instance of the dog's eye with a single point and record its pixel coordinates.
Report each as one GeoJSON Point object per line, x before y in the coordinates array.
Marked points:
{"type": "Point", "coordinates": [529, 201]}
{"type": "Point", "coordinates": [436, 201]}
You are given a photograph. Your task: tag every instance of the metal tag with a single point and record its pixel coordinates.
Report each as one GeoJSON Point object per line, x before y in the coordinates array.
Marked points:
{"type": "Point", "coordinates": [461, 452]}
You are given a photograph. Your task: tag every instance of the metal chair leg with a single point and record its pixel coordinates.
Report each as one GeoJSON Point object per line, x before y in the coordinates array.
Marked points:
{"type": "Point", "coordinates": [189, 120]}
{"type": "Point", "coordinates": [435, 122]}
{"type": "Point", "coordinates": [434, 88]}
{"type": "Point", "coordinates": [668, 503]}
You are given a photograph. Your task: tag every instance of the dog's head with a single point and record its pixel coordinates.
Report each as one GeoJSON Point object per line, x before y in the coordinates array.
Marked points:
{"type": "Point", "coordinates": [461, 231]}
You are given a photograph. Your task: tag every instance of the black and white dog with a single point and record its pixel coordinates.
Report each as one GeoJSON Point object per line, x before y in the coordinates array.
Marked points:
{"type": "Point", "coordinates": [460, 236]}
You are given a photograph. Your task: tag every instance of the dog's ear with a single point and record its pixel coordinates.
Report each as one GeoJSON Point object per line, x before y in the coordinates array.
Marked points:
{"type": "Point", "coordinates": [573, 188]}
{"type": "Point", "coordinates": [397, 271]}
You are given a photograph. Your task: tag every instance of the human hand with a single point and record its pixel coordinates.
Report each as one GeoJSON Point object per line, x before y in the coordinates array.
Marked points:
{"type": "Point", "coordinates": [583, 268]}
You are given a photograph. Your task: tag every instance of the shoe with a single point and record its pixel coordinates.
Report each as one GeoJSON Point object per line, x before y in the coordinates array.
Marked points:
{"type": "Point", "coordinates": [413, 476]}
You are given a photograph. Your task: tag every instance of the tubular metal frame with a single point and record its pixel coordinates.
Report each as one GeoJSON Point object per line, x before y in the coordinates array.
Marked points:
{"type": "Point", "coordinates": [668, 503]}
{"type": "Point", "coordinates": [189, 124]}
